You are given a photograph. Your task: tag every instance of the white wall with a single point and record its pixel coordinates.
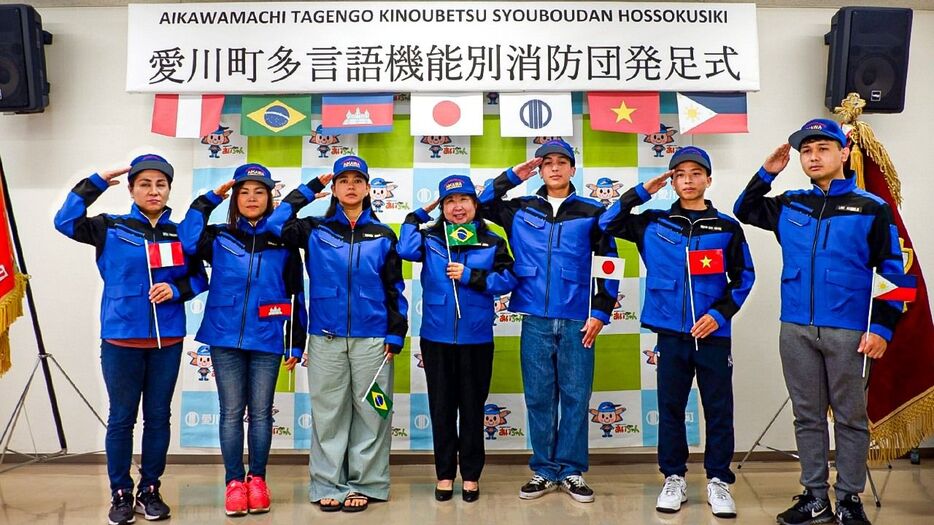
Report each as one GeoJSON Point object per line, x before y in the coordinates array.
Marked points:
{"type": "Point", "coordinates": [92, 124]}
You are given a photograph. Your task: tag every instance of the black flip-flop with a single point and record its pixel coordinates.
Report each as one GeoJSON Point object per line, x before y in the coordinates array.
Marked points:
{"type": "Point", "coordinates": [330, 508]}
{"type": "Point", "coordinates": [356, 508]}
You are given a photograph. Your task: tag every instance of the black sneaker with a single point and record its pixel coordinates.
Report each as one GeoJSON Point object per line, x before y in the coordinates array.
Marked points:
{"type": "Point", "coordinates": [121, 508]}
{"type": "Point", "coordinates": [850, 511]}
{"type": "Point", "coordinates": [536, 487]}
{"type": "Point", "coordinates": [149, 503]}
{"type": "Point", "coordinates": [807, 511]}
{"type": "Point", "coordinates": [577, 488]}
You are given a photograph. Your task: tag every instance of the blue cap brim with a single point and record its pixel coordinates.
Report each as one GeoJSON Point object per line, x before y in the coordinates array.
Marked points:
{"type": "Point", "coordinates": [678, 159]}
{"type": "Point", "coordinates": [553, 148]}
{"type": "Point", "coordinates": [163, 167]}
{"type": "Point", "coordinates": [352, 170]}
{"type": "Point", "coordinates": [266, 181]}
{"type": "Point", "coordinates": [801, 135]}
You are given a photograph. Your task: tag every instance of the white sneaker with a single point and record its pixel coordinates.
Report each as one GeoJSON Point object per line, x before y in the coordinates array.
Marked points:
{"type": "Point", "coordinates": [720, 500]}
{"type": "Point", "coordinates": [673, 494]}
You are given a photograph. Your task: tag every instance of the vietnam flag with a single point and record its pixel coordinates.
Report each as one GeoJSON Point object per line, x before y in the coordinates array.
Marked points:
{"type": "Point", "coordinates": [188, 116]}
{"type": "Point", "coordinates": [624, 111]}
{"type": "Point", "coordinates": [165, 254]}
{"type": "Point", "coordinates": [705, 262]}
{"type": "Point", "coordinates": [712, 113]}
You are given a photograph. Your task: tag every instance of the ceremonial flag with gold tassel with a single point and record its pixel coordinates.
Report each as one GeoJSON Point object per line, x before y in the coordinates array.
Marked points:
{"type": "Point", "coordinates": [12, 287]}
{"type": "Point", "coordinates": [901, 385]}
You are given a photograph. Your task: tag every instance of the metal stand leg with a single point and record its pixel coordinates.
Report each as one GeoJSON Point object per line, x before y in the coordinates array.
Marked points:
{"type": "Point", "coordinates": [759, 443]}
{"type": "Point", "coordinates": [872, 485]}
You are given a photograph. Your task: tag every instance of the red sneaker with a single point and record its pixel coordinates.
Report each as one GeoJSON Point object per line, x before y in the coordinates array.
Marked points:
{"type": "Point", "coordinates": [257, 494]}
{"type": "Point", "coordinates": [235, 501]}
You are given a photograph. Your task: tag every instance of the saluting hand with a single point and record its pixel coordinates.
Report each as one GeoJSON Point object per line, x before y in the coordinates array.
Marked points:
{"type": "Point", "coordinates": [324, 180]}
{"type": "Point", "coordinates": [111, 175]}
{"type": "Point", "coordinates": [455, 271]}
{"type": "Point", "coordinates": [223, 190]}
{"type": "Point", "coordinates": [777, 161]}
{"type": "Point", "coordinates": [160, 293]}
{"type": "Point", "coordinates": [654, 185]}
{"type": "Point", "coordinates": [525, 170]}
{"type": "Point", "coordinates": [428, 208]}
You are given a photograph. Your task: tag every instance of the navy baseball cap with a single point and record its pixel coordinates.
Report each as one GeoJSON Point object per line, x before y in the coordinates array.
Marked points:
{"type": "Point", "coordinates": [255, 172]}
{"type": "Point", "coordinates": [692, 153]}
{"type": "Point", "coordinates": [819, 127]}
{"type": "Point", "coordinates": [454, 184]}
{"type": "Point", "coordinates": [556, 146]}
{"type": "Point", "coordinates": [351, 163]}
{"type": "Point", "coordinates": [151, 161]}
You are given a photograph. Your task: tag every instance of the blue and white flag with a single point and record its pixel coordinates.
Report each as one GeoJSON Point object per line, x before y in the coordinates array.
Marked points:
{"type": "Point", "coordinates": [535, 115]}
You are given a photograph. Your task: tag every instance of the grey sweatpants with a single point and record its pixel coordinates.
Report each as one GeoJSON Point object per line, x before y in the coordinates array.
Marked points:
{"type": "Point", "coordinates": [822, 368]}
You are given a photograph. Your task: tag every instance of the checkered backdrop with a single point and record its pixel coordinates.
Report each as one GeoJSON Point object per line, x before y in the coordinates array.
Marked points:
{"type": "Point", "coordinates": [412, 167]}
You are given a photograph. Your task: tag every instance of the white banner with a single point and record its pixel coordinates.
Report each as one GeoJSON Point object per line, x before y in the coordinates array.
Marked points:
{"type": "Point", "coordinates": [320, 47]}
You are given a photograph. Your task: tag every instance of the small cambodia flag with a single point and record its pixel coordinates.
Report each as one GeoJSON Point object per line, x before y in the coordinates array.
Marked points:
{"type": "Point", "coordinates": [894, 287]}
{"type": "Point", "coordinates": [625, 112]}
{"type": "Point", "coordinates": [712, 113]}
{"type": "Point", "coordinates": [165, 254]}
{"type": "Point", "coordinates": [187, 116]}
{"type": "Point", "coordinates": [344, 114]}
{"type": "Point", "coordinates": [607, 268]}
{"type": "Point", "coordinates": [705, 262]}
{"type": "Point", "coordinates": [282, 309]}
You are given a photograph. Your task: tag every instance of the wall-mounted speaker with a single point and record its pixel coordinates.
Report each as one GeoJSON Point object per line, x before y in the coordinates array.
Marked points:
{"type": "Point", "coordinates": [24, 87]}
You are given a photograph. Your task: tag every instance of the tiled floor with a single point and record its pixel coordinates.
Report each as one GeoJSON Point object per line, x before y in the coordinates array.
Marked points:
{"type": "Point", "coordinates": [77, 494]}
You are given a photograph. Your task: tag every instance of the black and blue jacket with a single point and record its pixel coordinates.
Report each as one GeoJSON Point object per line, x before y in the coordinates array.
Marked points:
{"type": "Point", "coordinates": [253, 276]}
{"type": "Point", "coordinates": [552, 251]}
{"type": "Point", "coordinates": [831, 242]}
{"type": "Point", "coordinates": [487, 272]}
{"type": "Point", "coordinates": [122, 260]}
{"type": "Point", "coordinates": [664, 238]}
{"type": "Point", "coordinates": [354, 273]}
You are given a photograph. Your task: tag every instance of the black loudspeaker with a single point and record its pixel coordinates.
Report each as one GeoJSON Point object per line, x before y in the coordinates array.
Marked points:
{"type": "Point", "coordinates": [23, 84]}
{"type": "Point", "coordinates": [869, 56]}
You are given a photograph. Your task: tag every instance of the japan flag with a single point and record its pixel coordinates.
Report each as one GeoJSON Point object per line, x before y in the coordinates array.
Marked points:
{"type": "Point", "coordinates": [452, 114]}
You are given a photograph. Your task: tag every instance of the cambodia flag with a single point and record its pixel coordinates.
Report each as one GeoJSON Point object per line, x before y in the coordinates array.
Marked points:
{"type": "Point", "coordinates": [625, 112]}
{"type": "Point", "coordinates": [712, 113]}
{"type": "Point", "coordinates": [345, 114]}
{"type": "Point", "coordinates": [704, 262]}
{"type": "Point", "coordinates": [278, 309]}
{"type": "Point", "coordinates": [894, 287]}
{"type": "Point", "coordinates": [165, 254]}
{"type": "Point", "coordinates": [188, 116]}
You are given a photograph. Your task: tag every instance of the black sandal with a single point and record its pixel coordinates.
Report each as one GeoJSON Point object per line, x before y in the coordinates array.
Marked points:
{"type": "Point", "coordinates": [330, 508]}
{"type": "Point", "coordinates": [356, 508]}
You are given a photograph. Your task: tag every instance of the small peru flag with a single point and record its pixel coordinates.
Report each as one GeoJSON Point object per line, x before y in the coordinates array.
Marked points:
{"type": "Point", "coordinates": [894, 287]}
{"type": "Point", "coordinates": [607, 268]}
{"type": "Point", "coordinates": [625, 111]}
{"type": "Point", "coordinates": [704, 262]}
{"type": "Point", "coordinates": [283, 309]}
{"type": "Point", "coordinates": [186, 116]}
{"type": "Point", "coordinates": [165, 254]}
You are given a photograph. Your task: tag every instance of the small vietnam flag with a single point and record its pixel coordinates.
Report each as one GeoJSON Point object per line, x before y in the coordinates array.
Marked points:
{"type": "Point", "coordinates": [277, 309]}
{"type": "Point", "coordinates": [607, 268]}
{"type": "Point", "coordinates": [705, 262]}
{"type": "Point", "coordinates": [894, 287]}
{"type": "Point", "coordinates": [165, 254]}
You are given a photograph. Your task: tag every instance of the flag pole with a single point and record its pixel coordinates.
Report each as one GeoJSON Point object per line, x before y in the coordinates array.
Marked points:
{"type": "Point", "coordinates": [687, 259]}
{"type": "Point", "coordinates": [291, 331]}
{"type": "Point", "coordinates": [591, 289]}
{"type": "Point", "coordinates": [155, 316]}
{"type": "Point", "coordinates": [380, 369]}
{"type": "Point", "coordinates": [447, 244]}
{"type": "Point", "coordinates": [869, 322]}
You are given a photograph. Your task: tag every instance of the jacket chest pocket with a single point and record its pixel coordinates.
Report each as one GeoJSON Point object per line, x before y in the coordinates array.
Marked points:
{"type": "Point", "coordinates": [669, 236]}
{"type": "Point", "coordinates": [129, 238]}
{"type": "Point", "coordinates": [797, 218]}
{"type": "Point", "coordinates": [535, 221]}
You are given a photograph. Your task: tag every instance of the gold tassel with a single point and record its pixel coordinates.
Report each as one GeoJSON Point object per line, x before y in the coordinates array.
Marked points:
{"type": "Point", "coordinates": [11, 307]}
{"type": "Point", "coordinates": [902, 430]}
{"type": "Point", "coordinates": [863, 137]}
{"type": "Point", "coordinates": [856, 163]}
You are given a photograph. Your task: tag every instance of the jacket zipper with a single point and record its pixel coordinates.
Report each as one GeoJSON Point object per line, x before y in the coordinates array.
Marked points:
{"type": "Point", "coordinates": [551, 234]}
{"type": "Point", "coordinates": [246, 297]}
{"type": "Point", "coordinates": [349, 273]}
{"type": "Point", "coordinates": [820, 216]}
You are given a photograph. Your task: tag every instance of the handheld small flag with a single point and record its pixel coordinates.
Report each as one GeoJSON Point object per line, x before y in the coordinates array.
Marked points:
{"type": "Point", "coordinates": [273, 310]}
{"type": "Point", "coordinates": [705, 262]}
{"type": "Point", "coordinates": [379, 401]}
{"type": "Point", "coordinates": [894, 287]}
{"type": "Point", "coordinates": [165, 254]}
{"type": "Point", "coordinates": [607, 268]}
{"type": "Point", "coordinates": [461, 234]}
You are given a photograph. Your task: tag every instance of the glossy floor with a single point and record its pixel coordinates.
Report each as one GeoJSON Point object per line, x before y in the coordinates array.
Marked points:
{"type": "Point", "coordinates": [77, 494]}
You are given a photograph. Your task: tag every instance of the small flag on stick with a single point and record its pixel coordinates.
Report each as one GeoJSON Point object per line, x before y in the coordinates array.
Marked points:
{"type": "Point", "coordinates": [705, 262]}
{"type": "Point", "coordinates": [165, 254]}
{"type": "Point", "coordinates": [461, 234]}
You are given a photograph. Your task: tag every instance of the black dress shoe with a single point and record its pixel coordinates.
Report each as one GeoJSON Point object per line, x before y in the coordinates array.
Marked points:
{"type": "Point", "coordinates": [470, 496]}
{"type": "Point", "coordinates": [443, 495]}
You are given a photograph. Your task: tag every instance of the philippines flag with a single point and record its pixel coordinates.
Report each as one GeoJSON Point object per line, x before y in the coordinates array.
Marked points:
{"type": "Point", "coordinates": [712, 113]}
{"type": "Point", "coordinates": [187, 116]}
{"type": "Point", "coordinates": [345, 114]}
{"type": "Point", "coordinates": [165, 254]}
{"type": "Point", "coordinates": [894, 287]}
{"type": "Point", "coordinates": [458, 115]}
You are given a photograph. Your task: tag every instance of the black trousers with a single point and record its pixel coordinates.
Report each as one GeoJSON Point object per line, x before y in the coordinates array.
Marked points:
{"type": "Point", "coordinates": [458, 379]}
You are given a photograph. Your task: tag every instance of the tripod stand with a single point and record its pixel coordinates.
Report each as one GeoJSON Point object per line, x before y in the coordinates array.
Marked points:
{"type": "Point", "coordinates": [42, 360]}
{"type": "Point", "coordinates": [758, 443]}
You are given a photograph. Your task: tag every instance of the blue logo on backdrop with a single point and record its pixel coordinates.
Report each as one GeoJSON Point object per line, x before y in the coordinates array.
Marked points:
{"type": "Point", "coordinates": [535, 114]}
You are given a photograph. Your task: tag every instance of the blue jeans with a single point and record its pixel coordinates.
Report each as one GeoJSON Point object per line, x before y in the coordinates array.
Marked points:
{"type": "Point", "coordinates": [557, 371]}
{"type": "Point", "coordinates": [245, 378]}
{"type": "Point", "coordinates": [131, 374]}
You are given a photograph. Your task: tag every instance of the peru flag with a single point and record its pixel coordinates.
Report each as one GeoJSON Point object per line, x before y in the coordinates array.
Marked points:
{"type": "Point", "coordinates": [454, 114]}
{"type": "Point", "coordinates": [165, 254]}
{"type": "Point", "coordinates": [186, 116]}
{"type": "Point", "coordinates": [712, 113]}
{"type": "Point", "coordinates": [704, 262]}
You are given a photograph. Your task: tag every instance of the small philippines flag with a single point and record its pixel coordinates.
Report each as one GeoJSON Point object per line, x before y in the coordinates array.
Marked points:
{"type": "Point", "coordinates": [712, 113]}
{"type": "Point", "coordinates": [894, 287]}
{"type": "Point", "coordinates": [165, 254]}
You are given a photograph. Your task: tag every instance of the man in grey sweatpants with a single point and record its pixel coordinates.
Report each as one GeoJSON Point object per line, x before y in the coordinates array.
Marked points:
{"type": "Point", "coordinates": [833, 236]}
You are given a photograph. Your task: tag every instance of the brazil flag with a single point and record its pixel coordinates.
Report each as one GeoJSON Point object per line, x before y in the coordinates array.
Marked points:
{"type": "Point", "coordinates": [461, 234]}
{"type": "Point", "coordinates": [276, 115]}
{"type": "Point", "coordinates": [379, 400]}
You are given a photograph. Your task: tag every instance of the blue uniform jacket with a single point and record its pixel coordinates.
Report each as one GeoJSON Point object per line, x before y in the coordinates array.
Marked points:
{"type": "Point", "coordinates": [552, 251]}
{"type": "Point", "coordinates": [831, 242]}
{"type": "Point", "coordinates": [122, 261]}
{"type": "Point", "coordinates": [354, 274]}
{"type": "Point", "coordinates": [253, 276]}
{"type": "Point", "coordinates": [664, 238]}
{"type": "Point", "coordinates": [487, 272]}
